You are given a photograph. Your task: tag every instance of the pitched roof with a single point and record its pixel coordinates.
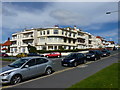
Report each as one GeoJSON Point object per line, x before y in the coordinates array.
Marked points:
{"type": "Point", "coordinates": [0, 44]}
{"type": "Point", "coordinates": [7, 43]}
{"type": "Point", "coordinates": [112, 42]}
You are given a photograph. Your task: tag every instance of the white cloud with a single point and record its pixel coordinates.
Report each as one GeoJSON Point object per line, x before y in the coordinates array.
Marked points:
{"type": "Point", "coordinates": [80, 14]}
{"type": "Point", "coordinates": [60, 1]}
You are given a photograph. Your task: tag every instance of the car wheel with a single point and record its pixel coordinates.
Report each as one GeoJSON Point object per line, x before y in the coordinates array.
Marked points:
{"type": "Point", "coordinates": [47, 56]}
{"type": "Point", "coordinates": [99, 57]}
{"type": "Point", "coordinates": [48, 71]}
{"type": "Point", "coordinates": [75, 64]}
{"type": "Point", "coordinates": [16, 79]}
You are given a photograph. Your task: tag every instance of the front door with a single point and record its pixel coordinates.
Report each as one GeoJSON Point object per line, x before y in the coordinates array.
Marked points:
{"type": "Point", "coordinates": [30, 70]}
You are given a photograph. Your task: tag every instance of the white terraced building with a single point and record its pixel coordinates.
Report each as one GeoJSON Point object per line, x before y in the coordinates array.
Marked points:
{"type": "Point", "coordinates": [53, 39]}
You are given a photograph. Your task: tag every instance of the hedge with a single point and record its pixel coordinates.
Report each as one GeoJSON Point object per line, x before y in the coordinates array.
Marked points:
{"type": "Point", "coordinates": [74, 50]}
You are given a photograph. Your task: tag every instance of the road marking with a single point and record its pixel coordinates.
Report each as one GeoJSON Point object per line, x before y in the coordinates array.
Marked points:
{"type": "Point", "coordinates": [79, 66]}
{"type": "Point", "coordinates": [82, 66]}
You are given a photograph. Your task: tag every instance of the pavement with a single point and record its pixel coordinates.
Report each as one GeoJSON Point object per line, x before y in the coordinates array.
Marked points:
{"type": "Point", "coordinates": [66, 77]}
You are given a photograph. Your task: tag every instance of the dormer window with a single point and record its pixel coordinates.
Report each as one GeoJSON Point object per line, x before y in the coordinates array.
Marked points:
{"type": "Point", "coordinates": [55, 31]}
{"type": "Point", "coordinates": [44, 32]}
{"type": "Point", "coordinates": [48, 32]}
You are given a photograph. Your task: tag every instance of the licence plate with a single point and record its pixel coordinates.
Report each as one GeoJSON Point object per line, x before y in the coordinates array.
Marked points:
{"type": "Point", "coordinates": [65, 64]}
{"type": "Point", "coordinates": [88, 57]}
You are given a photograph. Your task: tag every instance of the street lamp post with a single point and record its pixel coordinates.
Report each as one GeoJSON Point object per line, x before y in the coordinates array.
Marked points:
{"type": "Point", "coordinates": [109, 12]}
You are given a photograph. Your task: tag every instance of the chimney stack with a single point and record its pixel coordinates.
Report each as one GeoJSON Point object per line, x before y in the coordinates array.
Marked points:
{"type": "Point", "coordinates": [75, 27]}
{"type": "Point", "coordinates": [56, 26]}
{"type": "Point", "coordinates": [8, 38]}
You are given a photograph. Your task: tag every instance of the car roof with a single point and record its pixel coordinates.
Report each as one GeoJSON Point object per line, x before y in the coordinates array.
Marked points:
{"type": "Point", "coordinates": [76, 53]}
{"type": "Point", "coordinates": [33, 57]}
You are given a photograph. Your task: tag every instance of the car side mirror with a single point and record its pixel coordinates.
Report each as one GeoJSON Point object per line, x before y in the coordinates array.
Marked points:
{"type": "Point", "coordinates": [26, 66]}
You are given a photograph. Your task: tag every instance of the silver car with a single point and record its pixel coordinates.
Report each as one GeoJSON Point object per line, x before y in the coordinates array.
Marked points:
{"type": "Point", "coordinates": [25, 68]}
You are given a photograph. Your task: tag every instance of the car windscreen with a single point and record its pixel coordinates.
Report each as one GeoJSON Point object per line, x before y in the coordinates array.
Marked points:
{"type": "Point", "coordinates": [52, 53]}
{"type": "Point", "coordinates": [71, 56]}
{"type": "Point", "coordinates": [104, 51]}
{"type": "Point", "coordinates": [18, 63]}
{"type": "Point", "coordinates": [91, 52]}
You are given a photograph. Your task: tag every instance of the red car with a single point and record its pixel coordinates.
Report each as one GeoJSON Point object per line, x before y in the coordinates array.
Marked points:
{"type": "Point", "coordinates": [54, 54]}
{"type": "Point", "coordinates": [3, 55]}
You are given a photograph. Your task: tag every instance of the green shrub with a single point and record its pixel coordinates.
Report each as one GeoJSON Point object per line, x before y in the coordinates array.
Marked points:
{"type": "Point", "coordinates": [32, 49]}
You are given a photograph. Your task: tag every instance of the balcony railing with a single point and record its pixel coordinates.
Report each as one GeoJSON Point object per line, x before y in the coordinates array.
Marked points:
{"type": "Point", "coordinates": [28, 37]}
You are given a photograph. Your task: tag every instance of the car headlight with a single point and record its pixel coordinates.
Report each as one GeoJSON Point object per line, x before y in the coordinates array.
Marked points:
{"type": "Point", "coordinates": [92, 55]}
{"type": "Point", "coordinates": [5, 74]}
{"type": "Point", "coordinates": [72, 60]}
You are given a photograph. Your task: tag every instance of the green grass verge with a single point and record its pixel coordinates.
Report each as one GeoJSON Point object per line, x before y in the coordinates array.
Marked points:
{"type": "Point", "coordinates": [7, 59]}
{"type": "Point", "coordinates": [106, 78]}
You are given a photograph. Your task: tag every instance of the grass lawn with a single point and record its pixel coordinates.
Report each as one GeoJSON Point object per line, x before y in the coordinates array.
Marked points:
{"type": "Point", "coordinates": [5, 59]}
{"type": "Point", "coordinates": [106, 78]}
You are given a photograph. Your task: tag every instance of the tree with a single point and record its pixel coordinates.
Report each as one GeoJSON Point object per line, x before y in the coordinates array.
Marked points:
{"type": "Point", "coordinates": [31, 49]}
{"type": "Point", "coordinates": [61, 48]}
{"type": "Point", "coordinates": [100, 46]}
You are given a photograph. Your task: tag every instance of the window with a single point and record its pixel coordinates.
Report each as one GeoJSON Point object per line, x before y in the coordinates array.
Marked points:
{"type": "Point", "coordinates": [55, 31]}
{"type": "Point", "coordinates": [48, 32]}
{"type": "Point", "coordinates": [74, 41]}
{"type": "Point", "coordinates": [69, 40]}
{"type": "Point", "coordinates": [55, 47]}
{"type": "Point", "coordinates": [62, 32]}
{"type": "Point", "coordinates": [43, 32]}
{"type": "Point", "coordinates": [31, 62]}
{"type": "Point", "coordinates": [41, 60]}
{"type": "Point", "coordinates": [50, 47]}
{"type": "Point", "coordinates": [11, 49]}
{"type": "Point", "coordinates": [73, 35]}
{"type": "Point", "coordinates": [40, 32]}
{"type": "Point", "coordinates": [23, 49]}
{"type": "Point", "coordinates": [15, 49]}
{"type": "Point", "coordinates": [65, 40]}
{"type": "Point", "coordinates": [66, 33]}
{"type": "Point", "coordinates": [90, 36]}
{"type": "Point", "coordinates": [89, 41]}
{"type": "Point", "coordinates": [70, 34]}
{"type": "Point", "coordinates": [81, 40]}
{"type": "Point", "coordinates": [80, 34]}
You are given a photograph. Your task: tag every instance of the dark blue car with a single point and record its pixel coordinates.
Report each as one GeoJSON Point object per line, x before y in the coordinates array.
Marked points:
{"type": "Point", "coordinates": [35, 54]}
{"type": "Point", "coordinates": [105, 52]}
{"type": "Point", "coordinates": [93, 55]}
{"type": "Point", "coordinates": [73, 59]}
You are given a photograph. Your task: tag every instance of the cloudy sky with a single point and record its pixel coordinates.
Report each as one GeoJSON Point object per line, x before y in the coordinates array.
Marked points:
{"type": "Point", "coordinates": [89, 16]}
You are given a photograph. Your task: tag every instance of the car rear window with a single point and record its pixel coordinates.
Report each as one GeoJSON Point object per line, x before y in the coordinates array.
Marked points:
{"type": "Point", "coordinates": [91, 52]}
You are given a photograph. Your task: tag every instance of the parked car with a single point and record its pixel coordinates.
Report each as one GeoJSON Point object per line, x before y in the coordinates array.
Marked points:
{"type": "Point", "coordinates": [25, 68]}
{"type": "Point", "coordinates": [93, 55]}
{"type": "Point", "coordinates": [53, 54]}
{"type": "Point", "coordinates": [105, 52]}
{"type": "Point", "coordinates": [21, 55]}
{"type": "Point", "coordinates": [35, 54]}
{"type": "Point", "coordinates": [73, 59]}
{"type": "Point", "coordinates": [3, 55]}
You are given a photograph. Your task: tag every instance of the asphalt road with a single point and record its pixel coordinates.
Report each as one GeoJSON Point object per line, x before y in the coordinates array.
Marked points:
{"type": "Point", "coordinates": [64, 77]}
